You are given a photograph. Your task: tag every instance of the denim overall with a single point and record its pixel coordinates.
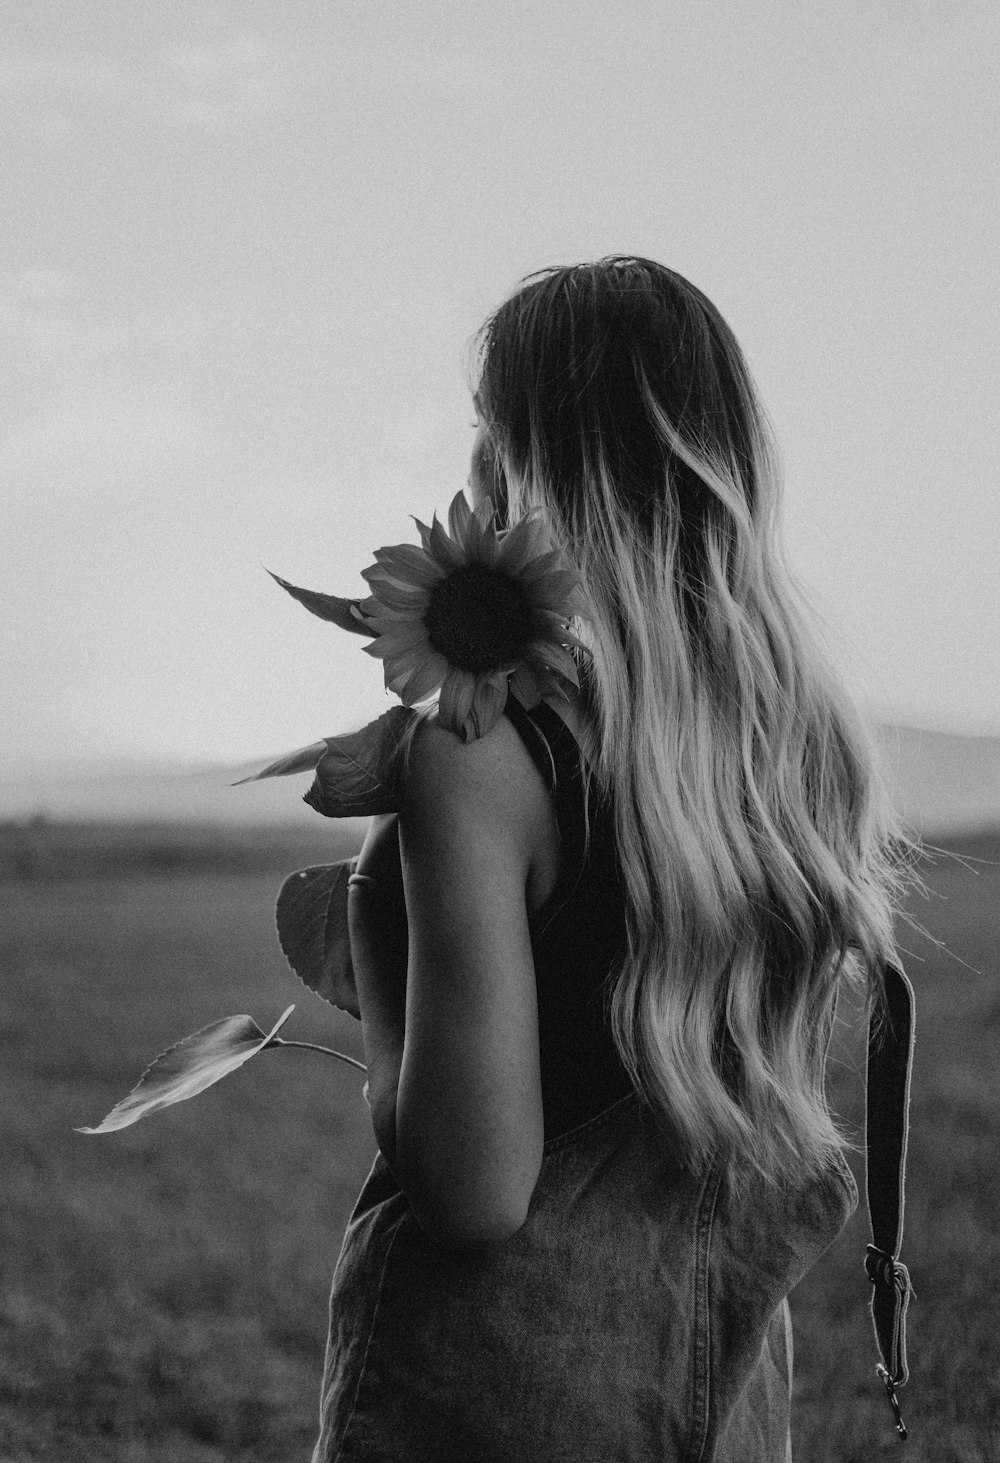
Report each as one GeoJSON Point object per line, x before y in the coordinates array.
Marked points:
{"type": "Point", "coordinates": [638, 1314]}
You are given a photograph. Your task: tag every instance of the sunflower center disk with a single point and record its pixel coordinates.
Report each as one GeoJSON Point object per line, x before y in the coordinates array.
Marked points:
{"type": "Point", "coordinates": [478, 619]}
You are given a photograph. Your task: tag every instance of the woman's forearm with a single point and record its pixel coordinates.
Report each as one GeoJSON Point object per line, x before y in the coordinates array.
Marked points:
{"type": "Point", "coordinates": [382, 1026]}
{"type": "Point", "coordinates": [376, 912]}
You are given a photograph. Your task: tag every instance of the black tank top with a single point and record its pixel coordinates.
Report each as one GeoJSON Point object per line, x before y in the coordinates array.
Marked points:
{"type": "Point", "coordinates": [577, 937]}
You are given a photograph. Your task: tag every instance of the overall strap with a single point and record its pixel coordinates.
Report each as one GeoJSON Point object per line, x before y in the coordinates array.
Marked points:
{"type": "Point", "coordinates": [556, 753]}
{"type": "Point", "coordinates": [890, 1053]}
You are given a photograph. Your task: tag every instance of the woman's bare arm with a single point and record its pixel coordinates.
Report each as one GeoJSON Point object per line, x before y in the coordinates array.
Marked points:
{"type": "Point", "coordinates": [466, 1139]}
{"type": "Point", "coordinates": [376, 912]}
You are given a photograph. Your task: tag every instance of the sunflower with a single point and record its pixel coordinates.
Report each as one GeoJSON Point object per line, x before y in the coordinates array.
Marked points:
{"type": "Point", "coordinates": [472, 613]}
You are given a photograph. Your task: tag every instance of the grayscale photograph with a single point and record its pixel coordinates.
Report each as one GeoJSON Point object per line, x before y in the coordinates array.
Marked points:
{"type": "Point", "coordinates": [500, 752]}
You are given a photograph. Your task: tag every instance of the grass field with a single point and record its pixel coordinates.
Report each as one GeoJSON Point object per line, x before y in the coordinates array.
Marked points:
{"type": "Point", "coordinates": [163, 1289]}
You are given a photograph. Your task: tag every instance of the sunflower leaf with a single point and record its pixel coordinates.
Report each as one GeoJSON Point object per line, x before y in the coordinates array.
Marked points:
{"type": "Point", "coordinates": [311, 915]}
{"type": "Point", "coordinates": [304, 760]}
{"type": "Point", "coordinates": [341, 612]}
{"type": "Point", "coordinates": [187, 1068]}
{"type": "Point", "coordinates": [357, 776]}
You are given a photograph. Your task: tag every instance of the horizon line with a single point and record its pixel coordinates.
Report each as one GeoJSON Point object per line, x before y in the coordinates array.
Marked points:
{"type": "Point", "coordinates": [173, 766]}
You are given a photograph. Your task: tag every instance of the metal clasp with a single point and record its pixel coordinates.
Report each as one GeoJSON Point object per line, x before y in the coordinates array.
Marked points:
{"type": "Point", "coordinates": [890, 1391]}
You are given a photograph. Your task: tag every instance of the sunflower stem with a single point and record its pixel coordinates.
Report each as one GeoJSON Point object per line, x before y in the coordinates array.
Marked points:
{"type": "Point", "coordinates": [327, 1051]}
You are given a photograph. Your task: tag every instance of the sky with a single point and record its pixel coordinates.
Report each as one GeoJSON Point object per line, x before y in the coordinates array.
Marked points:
{"type": "Point", "coordinates": [245, 248]}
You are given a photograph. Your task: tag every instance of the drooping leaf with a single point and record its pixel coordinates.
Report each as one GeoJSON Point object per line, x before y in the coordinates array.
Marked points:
{"type": "Point", "coordinates": [184, 1070]}
{"type": "Point", "coordinates": [344, 613]}
{"type": "Point", "coordinates": [311, 916]}
{"type": "Point", "coordinates": [357, 776]}
{"type": "Point", "coordinates": [304, 760]}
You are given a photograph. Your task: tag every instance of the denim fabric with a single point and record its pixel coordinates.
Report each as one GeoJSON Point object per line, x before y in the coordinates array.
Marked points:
{"type": "Point", "coordinates": [637, 1315]}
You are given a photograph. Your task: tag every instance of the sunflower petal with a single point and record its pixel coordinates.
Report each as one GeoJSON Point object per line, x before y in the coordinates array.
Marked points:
{"type": "Point", "coordinates": [543, 563]}
{"type": "Point", "coordinates": [525, 685]}
{"type": "Point", "coordinates": [402, 630]}
{"type": "Point", "coordinates": [483, 543]}
{"type": "Point", "coordinates": [407, 564]}
{"type": "Point", "coordinates": [484, 513]}
{"type": "Point", "coordinates": [425, 534]}
{"type": "Point", "coordinates": [397, 672]}
{"type": "Point", "coordinates": [553, 591]}
{"type": "Point", "coordinates": [556, 689]}
{"type": "Point", "coordinates": [525, 542]}
{"type": "Point", "coordinates": [386, 595]}
{"type": "Point", "coordinates": [555, 658]}
{"type": "Point", "coordinates": [554, 627]}
{"type": "Point", "coordinates": [444, 549]}
{"type": "Point", "coordinates": [384, 619]}
{"type": "Point", "coordinates": [457, 692]}
{"type": "Point", "coordinates": [424, 679]}
{"type": "Point", "coordinates": [459, 518]}
{"type": "Point", "coordinates": [556, 576]}
{"type": "Point", "coordinates": [405, 627]}
{"type": "Point", "coordinates": [562, 596]}
{"type": "Point", "coordinates": [402, 637]}
{"type": "Point", "coordinates": [488, 702]}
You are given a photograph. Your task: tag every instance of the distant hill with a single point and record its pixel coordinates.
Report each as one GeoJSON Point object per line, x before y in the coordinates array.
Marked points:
{"type": "Point", "coordinates": [127, 792]}
{"type": "Point", "coordinates": [942, 782]}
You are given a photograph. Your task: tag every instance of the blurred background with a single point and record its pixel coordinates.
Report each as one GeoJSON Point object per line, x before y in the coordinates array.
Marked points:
{"type": "Point", "coordinates": [245, 247]}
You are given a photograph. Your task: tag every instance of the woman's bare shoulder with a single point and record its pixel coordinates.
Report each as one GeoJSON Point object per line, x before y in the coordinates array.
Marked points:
{"type": "Point", "coordinates": [492, 775]}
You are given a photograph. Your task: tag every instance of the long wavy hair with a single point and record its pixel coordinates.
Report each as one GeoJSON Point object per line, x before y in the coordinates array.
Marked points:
{"type": "Point", "coordinates": [761, 858]}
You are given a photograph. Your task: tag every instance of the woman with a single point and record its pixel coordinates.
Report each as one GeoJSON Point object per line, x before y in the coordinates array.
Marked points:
{"type": "Point", "coordinates": [598, 954]}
